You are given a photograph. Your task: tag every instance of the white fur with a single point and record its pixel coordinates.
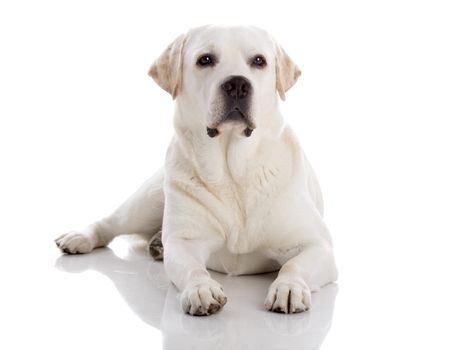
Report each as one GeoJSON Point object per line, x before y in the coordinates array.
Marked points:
{"type": "Point", "coordinates": [232, 203]}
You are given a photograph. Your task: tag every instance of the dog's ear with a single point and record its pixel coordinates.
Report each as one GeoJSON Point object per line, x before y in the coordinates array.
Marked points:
{"type": "Point", "coordinates": [167, 70]}
{"type": "Point", "coordinates": [287, 72]}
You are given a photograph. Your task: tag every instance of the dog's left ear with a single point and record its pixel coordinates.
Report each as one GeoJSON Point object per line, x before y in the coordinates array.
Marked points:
{"type": "Point", "coordinates": [167, 70]}
{"type": "Point", "coordinates": [287, 72]}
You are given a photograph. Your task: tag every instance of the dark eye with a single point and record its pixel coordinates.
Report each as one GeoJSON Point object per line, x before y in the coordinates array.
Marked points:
{"type": "Point", "coordinates": [206, 60]}
{"type": "Point", "coordinates": [258, 61]}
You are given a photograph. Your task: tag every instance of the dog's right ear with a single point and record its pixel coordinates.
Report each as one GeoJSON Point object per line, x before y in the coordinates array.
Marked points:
{"type": "Point", "coordinates": [167, 70]}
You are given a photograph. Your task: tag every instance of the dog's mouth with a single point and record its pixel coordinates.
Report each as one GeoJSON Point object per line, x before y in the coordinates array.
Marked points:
{"type": "Point", "coordinates": [235, 115]}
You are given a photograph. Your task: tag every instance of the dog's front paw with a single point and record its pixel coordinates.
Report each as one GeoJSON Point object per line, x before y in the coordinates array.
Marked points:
{"type": "Point", "coordinates": [203, 298]}
{"type": "Point", "coordinates": [290, 295]}
{"type": "Point", "coordinates": [74, 243]}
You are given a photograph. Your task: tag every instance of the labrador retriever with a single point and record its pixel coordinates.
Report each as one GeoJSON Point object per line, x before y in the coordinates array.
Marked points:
{"type": "Point", "coordinates": [236, 194]}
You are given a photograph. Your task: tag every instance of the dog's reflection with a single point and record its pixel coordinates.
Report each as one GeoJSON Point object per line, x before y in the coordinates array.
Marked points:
{"type": "Point", "coordinates": [243, 324]}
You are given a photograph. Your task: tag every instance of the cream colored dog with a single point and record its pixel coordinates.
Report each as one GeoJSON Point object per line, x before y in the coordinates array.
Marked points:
{"type": "Point", "coordinates": [237, 194]}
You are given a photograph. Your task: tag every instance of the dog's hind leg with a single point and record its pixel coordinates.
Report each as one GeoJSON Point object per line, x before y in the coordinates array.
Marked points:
{"type": "Point", "coordinates": [141, 214]}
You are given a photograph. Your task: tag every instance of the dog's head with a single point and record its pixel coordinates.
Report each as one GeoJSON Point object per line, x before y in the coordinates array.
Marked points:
{"type": "Point", "coordinates": [225, 76]}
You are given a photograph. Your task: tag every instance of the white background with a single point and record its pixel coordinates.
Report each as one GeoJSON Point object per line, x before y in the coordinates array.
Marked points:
{"type": "Point", "coordinates": [380, 110]}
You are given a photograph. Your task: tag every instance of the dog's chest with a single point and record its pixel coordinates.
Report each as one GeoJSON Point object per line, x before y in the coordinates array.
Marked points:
{"type": "Point", "coordinates": [245, 207]}
{"type": "Point", "coordinates": [240, 184]}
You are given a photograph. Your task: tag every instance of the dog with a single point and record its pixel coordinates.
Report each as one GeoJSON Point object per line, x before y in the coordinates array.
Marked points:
{"type": "Point", "coordinates": [236, 194]}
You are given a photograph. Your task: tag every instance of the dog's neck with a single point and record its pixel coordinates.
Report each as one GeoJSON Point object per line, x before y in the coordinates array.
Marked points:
{"type": "Point", "coordinates": [230, 155]}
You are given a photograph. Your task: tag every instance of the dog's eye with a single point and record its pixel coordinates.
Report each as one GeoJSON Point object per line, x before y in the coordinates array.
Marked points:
{"type": "Point", "coordinates": [206, 60]}
{"type": "Point", "coordinates": [258, 61]}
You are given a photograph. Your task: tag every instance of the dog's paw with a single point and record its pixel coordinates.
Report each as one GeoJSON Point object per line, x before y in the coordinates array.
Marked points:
{"type": "Point", "coordinates": [156, 249]}
{"type": "Point", "coordinates": [203, 298]}
{"type": "Point", "coordinates": [288, 296]}
{"type": "Point", "coordinates": [74, 243]}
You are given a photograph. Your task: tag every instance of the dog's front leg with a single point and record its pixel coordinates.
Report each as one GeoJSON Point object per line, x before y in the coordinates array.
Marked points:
{"type": "Point", "coordinates": [306, 272]}
{"type": "Point", "coordinates": [185, 263]}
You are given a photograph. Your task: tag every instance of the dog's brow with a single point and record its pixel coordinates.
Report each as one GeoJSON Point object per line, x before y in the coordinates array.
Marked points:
{"type": "Point", "coordinates": [199, 50]}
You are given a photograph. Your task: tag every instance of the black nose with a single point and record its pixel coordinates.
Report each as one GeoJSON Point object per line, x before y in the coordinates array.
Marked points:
{"type": "Point", "coordinates": [236, 87]}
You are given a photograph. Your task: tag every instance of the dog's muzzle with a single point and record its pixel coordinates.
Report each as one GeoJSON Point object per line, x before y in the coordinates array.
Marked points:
{"type": "Point", "coordinates": [236, 92]}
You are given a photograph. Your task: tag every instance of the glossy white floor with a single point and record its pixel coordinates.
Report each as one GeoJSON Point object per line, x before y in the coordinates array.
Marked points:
{"type": "Point", "coordinates": [118, 297]}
